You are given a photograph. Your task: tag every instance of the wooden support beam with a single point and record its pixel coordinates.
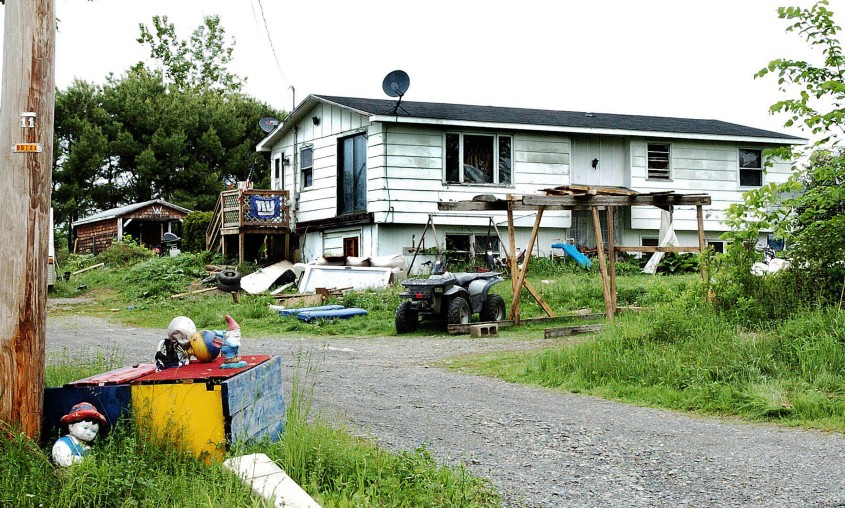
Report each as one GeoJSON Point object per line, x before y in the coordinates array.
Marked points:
{"type": "Point", "coordinates": [608, 303]}
{"type": "Point", "coordinates": [521, 278]}
{"type": "Point", "coordinates": [611, 253]}
{"type": "Point", "coordinates": [639, 248]}
{"type": "Point", "coordinates": [514, 313]}
{"type": "Point", "coordinates": [536, 294]}
{"type": "Point", "coordinates": [702, 243]}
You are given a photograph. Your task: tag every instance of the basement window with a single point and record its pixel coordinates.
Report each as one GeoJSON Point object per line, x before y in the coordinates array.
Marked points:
{"type": "Point", "coordinates": [658, 161]}
{"type": "Point", "coordinates": [750, 167]}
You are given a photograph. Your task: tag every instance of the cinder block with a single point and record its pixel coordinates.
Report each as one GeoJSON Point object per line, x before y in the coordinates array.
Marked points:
{"type": "Point", "coordinates": [483, 330]}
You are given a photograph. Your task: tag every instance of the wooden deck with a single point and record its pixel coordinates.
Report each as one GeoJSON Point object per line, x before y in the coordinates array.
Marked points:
{"type": "Point", "coordinates": [243, 213]}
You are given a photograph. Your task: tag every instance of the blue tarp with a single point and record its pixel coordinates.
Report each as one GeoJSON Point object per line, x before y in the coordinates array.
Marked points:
{"type": "Point", "coordinates": [311, 316]}
{"type": "Point", "coordinates": [574, 253]}
{"type": "Point", "coordinates": [294, 312]}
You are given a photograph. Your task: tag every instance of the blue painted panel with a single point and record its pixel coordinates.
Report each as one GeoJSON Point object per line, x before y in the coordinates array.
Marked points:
{"type": "Point", "coordinates": [245, 389]}
{"type": "Point", "coordinates": [113, 401]}
{"type": "Point", "coordinates": [263, 419]}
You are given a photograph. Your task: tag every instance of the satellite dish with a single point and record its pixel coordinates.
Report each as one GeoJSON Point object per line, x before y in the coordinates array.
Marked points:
{"type": "Point", "coordinates": [267, 124]}
{"type": "Point", "coordinates": [396, 83]}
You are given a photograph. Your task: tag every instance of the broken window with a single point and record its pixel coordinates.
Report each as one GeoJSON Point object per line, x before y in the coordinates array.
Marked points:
{"type": "Point", "coordinates": [478, 159]}
{"type": "Point", "coordinates": [750, 167]}
{"type": "Point", "coordinates": [658, 161]}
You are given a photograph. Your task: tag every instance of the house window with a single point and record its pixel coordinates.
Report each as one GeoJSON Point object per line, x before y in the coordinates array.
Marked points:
{"type": "Point", "coordinates": [306, 166]}
{"type": "Point", "coordinates": [648, 242]}
{"type": "Point", "coordinates": [717, 246]}
{"type": "Point", "coordinates": [658, 161]}
{"type": "Point", "coordinates": [478, 159]}
{"type": "Point", "coordinates": [277, 171]}
{"type": "Point", "coordinates": [457, 247]}
{"type": "Point", "coordinates": [750, 167]}
{"type": "Point", "coordinates": [352, 174]}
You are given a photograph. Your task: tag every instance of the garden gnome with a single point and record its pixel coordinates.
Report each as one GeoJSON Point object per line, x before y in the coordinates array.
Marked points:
{"type": "Point", "coordinates": [173, 351]}
{"type": "Point", "coordinates": [82, 423]}
{"type": "Point", "coordinates": [231, 343]}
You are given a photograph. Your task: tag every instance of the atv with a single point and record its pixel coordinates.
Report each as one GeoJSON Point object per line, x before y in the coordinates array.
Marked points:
{"type": "Point", "coordinates": [449, 297]}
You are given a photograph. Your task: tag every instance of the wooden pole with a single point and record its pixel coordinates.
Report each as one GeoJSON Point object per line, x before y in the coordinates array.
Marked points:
{"type": "Point", "coordinates": [611, 253]}
{"type": "Point", "coordinates": [608, 303]}
{"type": "Point", "coordinates": [514, 313]}
{"type": "Point", "coordinates": [26, 123]}
{"type": "Point", "coordinates": [699, 215]}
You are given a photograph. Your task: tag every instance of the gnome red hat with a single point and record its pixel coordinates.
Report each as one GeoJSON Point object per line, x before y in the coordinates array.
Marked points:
{"type": "Point", "coordinates": [83, 411]}
{"type": "Point", "coordinates": [233, 325]}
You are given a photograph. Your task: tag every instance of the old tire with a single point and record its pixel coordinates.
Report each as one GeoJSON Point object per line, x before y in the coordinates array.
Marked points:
{"type": "Point", "coordinates": [407, 318]}
{"type": "Point", "coordinates": [458, 313]}
{"type": "Point", "coordinates": [227, 288]}
{"type": "Point", "coordinates": [493, 309]}
{"type": "Point", "coordinates": [229, 277]}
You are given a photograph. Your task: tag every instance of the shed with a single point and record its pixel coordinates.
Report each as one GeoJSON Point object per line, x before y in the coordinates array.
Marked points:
{"type": "Point", "coordinates": [146, 222]}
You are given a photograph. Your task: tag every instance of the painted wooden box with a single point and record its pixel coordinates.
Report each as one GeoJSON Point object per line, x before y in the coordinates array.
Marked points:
{"type": "Point", "coordinates": [200, 405]}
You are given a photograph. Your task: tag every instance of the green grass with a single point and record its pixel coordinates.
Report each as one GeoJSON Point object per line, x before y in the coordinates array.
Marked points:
{"type": "Point", "coordinates": [127, 468]}
{"type": "Point", "coordinates": [147, 285]}
{"type": "Point", "coordinates": [693, 359]}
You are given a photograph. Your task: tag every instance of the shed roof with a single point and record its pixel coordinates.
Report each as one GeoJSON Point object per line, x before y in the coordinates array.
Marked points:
{"type": "Point", "coordinates": [535, 119]}
{"type": "Point", "coordinates": [123, 210]}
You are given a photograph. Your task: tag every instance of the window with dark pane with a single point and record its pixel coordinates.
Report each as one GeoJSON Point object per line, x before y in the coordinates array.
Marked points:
{"type": "Point", "coordinates": [306, 165]}
{"type": "Point", "coordinates": [505, 160]}
{"type": "Point", "coordinates": [453, 158]}
{"type": "Point", "coordinates": [658, 161]}
{"type": "Point", "coordinates": [750, 167]}
{"type": "Point", "coordinates": [478, 159]}
{"type": "Point", "coordinates": [352, 174]}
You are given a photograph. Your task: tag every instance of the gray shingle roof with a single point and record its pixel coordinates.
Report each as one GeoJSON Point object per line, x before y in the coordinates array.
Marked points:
{"type": "Point", "coordinates": [123, 210]}
{"type": "Point", "coordinates": [562, 119]}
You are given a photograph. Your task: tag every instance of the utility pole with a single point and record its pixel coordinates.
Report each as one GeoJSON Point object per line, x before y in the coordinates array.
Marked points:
{"type": "Point", "coordinates": [26, 158]}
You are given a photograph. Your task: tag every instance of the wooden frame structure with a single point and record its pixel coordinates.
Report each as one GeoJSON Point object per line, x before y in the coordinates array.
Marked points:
{"type": "Point", "coordinates": [578, 197]}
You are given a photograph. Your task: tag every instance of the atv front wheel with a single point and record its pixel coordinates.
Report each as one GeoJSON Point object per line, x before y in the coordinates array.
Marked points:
{"type": "Point", "coordinates": [407, 318]}
{"type": "Point", "coordinates": [458, 313]}
{"type": "Point", "coordinates": [493, 309]}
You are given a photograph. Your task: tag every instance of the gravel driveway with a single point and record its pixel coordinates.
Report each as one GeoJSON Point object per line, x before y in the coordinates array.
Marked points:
{"type": "Point", "coordinates": [539, 447]}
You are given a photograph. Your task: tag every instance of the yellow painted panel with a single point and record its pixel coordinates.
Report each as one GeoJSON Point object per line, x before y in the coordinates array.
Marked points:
{"type": "Point", "coordinates": [187, 413]}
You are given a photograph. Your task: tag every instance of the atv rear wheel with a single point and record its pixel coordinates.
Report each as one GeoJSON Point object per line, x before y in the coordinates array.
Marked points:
{"type": "Point", "coordinates": [493, 309]}
{"type": "Point", "coordinates": [458, 313]}
{"type": "Point", "coordinates": [407, 318]}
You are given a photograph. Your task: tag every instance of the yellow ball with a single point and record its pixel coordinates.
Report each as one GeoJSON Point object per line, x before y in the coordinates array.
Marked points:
{"type": "Point", "coordinates": [205, 345]}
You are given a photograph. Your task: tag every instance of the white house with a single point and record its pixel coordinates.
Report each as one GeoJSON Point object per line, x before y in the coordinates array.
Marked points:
{"type": "Point", "coordinates": [366, 176]}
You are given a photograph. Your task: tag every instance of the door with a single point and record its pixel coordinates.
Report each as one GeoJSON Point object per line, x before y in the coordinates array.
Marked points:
{"type": "Point", "coordinates": [599, 160]}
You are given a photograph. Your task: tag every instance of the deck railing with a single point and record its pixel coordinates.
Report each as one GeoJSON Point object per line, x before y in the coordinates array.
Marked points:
{"type": "Point", "coordinates": [253, 208]}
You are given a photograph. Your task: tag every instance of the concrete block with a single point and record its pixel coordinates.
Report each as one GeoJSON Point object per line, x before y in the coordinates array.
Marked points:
{"type": "Point", "coordinates": [484, 330]}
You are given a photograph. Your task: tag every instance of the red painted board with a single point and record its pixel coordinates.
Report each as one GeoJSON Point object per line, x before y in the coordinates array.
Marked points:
{"type": "Point", "coordinates": [200, 371]}
{"type": "Point", "coordinates": [116, 376]}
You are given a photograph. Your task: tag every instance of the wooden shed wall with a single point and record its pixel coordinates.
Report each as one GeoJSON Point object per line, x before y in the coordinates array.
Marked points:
{"type": "Point", "coordinates": [95, 237]}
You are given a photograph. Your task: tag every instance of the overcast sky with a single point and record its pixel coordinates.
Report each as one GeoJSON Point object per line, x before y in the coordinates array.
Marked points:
{"type": "Point", "coordinates": [651, 57]}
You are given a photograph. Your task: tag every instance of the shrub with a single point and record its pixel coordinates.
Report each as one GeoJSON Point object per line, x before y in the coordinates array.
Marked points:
{"type": "Point", "coordinates": [124, 252]}
{"type": "Point", "coordinates": [193, 231]}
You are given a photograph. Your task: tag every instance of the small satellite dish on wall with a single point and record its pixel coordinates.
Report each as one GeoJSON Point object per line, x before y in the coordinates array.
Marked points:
{"type": "Point", "coordinates": [396, 83]}
{"type": "Point", "coordinates": [267, 124]}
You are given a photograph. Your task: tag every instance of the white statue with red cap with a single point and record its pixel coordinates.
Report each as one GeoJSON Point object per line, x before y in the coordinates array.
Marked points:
{"type": "Point", "coordinates": [83, 424]}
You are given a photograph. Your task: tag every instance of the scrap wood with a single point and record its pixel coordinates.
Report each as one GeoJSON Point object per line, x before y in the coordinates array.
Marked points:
{"type": "Point", "coordinates": [587, 314]}
{"type": "Point", "coordinates": [98, 265]}
{"type": "Point", "coordinates": [203, 290]}
{"type": "Point", "coordinates": [551, 333]}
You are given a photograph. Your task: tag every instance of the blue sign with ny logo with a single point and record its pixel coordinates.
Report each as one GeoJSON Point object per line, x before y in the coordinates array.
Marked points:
{"type": "Point", "coordinates": [264, 208]}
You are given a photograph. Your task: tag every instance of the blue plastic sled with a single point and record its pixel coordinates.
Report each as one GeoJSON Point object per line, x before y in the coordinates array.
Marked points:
{"type": "Point", "coordinates": [311, 316]}
{"type": "Point", "coordinates": [294, 312]}
{"type": "Point", "coordinates": [574, 253]}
